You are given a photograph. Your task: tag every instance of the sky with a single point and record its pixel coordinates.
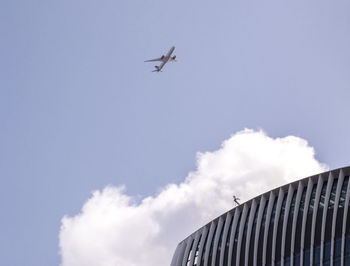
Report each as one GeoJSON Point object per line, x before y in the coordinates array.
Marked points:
{"type": "Point", "coordinates": [81, 114]}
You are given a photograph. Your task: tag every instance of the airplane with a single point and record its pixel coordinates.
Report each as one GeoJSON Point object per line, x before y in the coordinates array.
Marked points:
{"type": "Point", "coordinates": [164, 59]}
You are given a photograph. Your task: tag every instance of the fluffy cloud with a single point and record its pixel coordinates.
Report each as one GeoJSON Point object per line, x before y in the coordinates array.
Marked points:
{"type": "Point", "coordinates": [112, 230]}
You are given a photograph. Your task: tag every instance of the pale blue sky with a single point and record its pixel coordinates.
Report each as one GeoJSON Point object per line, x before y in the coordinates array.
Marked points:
{"type": "Point", "coordinates": [80, 110]}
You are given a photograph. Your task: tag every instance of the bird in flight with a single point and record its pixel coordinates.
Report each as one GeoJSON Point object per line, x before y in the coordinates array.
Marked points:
{"type": "Point", "coordinates": [164, 59]}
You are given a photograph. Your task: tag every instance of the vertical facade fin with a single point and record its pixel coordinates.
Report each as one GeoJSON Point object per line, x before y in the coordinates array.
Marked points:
{"type": "Point", "coordinates": [314, 216]}
{"type": "Point", "coordinates": [258, 227]}
{"type": "Point", "coordinates": [295, 218]}
{"type": "Point", "coordinates": [225, 236]}
{"type": "Point", "coordinates": [335, 211]}
{"type": "Point", "coordinates": [181, 253]}
{"type": "Point", "coordinates": [306, 205]}
{"type": "Point", "coordinates": [189, 243]}
{"type": "Point", "coordinates": [216, 239]}
{"type": "Point", "coordinates": [346, 210]}
{"type": "Point", "coordinates": [194, 247]}
{"type": "Point", "coordinates": [205, 232]}
{"type": "Point", "coordinates": [267, 223]}
{"type": "Point", "coordinates": [233, 232]}
{"type": "Point", "coordinates": [328, 193]}
{"type": "Point", "coordinates": [176, 255]}
{"type": "Point", "coordinates": [249, 231]}
{"type": "Point", "coordinates": [285, 219]}
{"type": "Point", "coordinates": [240, 232]}
{"type": "Point", "coordinates": [275, 224]}
{"type": "Point", "coordinates": [208, 244]}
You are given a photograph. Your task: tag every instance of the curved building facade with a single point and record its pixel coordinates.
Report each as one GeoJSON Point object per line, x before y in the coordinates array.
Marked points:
{"type": "Point", "coordinates": [306, 222]}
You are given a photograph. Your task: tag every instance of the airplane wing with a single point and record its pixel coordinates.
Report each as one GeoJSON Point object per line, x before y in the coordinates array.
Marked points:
{"type": "Point", "coordinates": [154, 60]}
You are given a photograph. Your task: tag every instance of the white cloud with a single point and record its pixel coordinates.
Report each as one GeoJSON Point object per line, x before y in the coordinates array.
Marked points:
{"type": "Point", "coordinates": [112, 230]}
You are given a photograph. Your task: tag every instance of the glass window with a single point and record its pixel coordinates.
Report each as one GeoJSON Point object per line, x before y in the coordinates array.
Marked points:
{"type": "Point", "coordinates": [318, 225]}
{"type": "Point", "coordinates": [287, 261]}
{"type": "Point", "coordinates": [337, 248]}
{"type": "Point", "coordinates": [323, 195]}
{"type": "Point", "coordinates": [347, 245]}
{"type": "Point", "coordinates": [332, 196]}
{"type": "Point", "coordinates": [347, 260]}
{"type": "Point", "coordinates": [327, 252]}
{"type": "Point", "coordinates": [347, 235]}
{"type": "Point", "coordinates": [340, 212]}
{"type": "Point", "coordinates": [343, 192]}
{"type": "Point", "coordinates": [312, 199]}
{"type": "Point", "coordinates": [306, 257]}
{"type": "Point", "coordinates": [302, 201]}
{"type": "Point", "coordinates": [195, 258]}
{"type": "Point", "coordinates": [339, 220]}
{"type": "Point", "coordinates": [317, 254]}
{"type": "Point", "coordinates": [337, 262]}
{"type": "Point", "coordinates": [297, 259]}
{"type": "Point", "coordinates": [329, 216]}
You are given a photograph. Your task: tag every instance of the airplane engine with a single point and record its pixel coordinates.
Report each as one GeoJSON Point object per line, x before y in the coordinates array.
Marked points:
{"type": "Point", "coordinates": [162, 57]}
{"type": "Point", "coordinates": [174, 57]}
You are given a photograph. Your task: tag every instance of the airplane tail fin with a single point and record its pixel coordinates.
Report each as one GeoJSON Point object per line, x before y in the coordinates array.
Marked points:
{"type": "Point", "coordinates": [157, 69]}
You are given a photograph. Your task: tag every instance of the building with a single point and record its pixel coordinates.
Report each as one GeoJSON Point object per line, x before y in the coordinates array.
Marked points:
{"type": "Point", "coordinates": [306, 222]}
